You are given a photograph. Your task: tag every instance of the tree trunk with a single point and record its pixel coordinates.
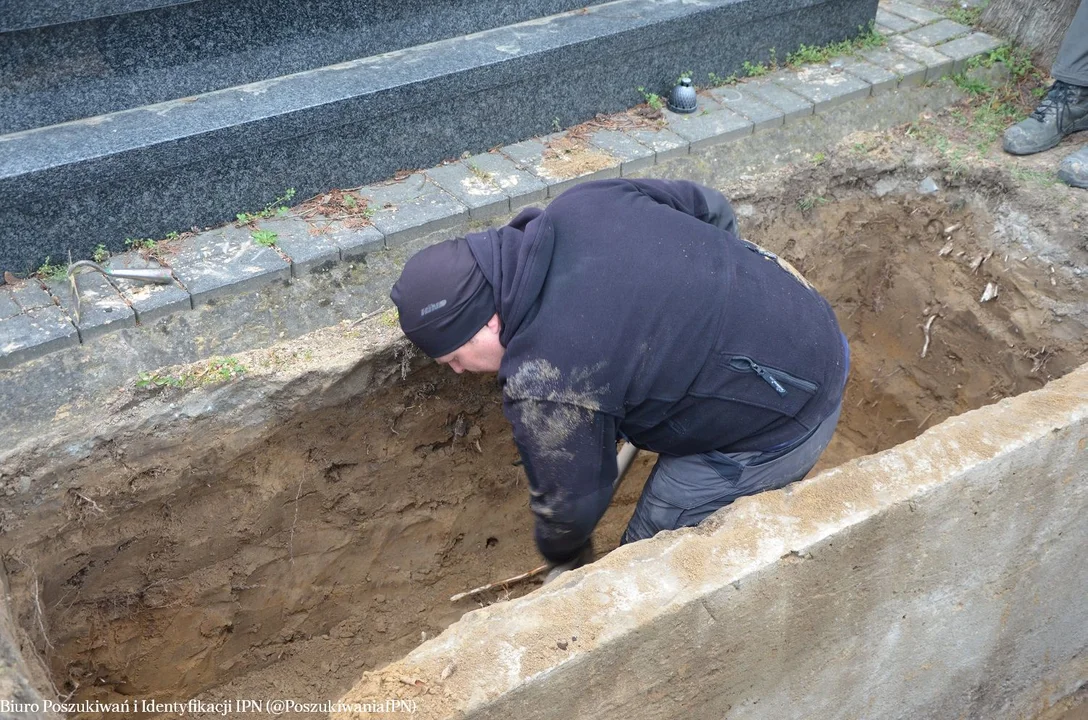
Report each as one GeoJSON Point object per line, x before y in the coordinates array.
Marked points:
{"type": "Point", "coordinates": [1038, 25]}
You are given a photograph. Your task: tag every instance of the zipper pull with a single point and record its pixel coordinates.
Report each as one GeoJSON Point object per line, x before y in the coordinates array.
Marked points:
{"type": "Point", "coordinates": [771, 380]}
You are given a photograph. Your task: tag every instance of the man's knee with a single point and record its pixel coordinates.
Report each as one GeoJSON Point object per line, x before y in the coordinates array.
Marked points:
{"type": "Point", "coordinates": [680, 492]}
{"type": "Point", "coordinates": [684, 491]}
{"type": "Point", "coordinates": [651, 516]}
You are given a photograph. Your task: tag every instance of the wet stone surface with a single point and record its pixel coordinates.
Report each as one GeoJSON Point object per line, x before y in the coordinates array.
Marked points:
{"type": "Point", "coordinates": [476, 188]}
{"type": "Point", "coordinates": [791, 104]}
{"type": "Point", "coordinates": [520, 186]}
{"type": "Point", "coordinates": [963, 49]}
{"type": "Point", "coordinates": [303, 243]}
{"type": "Point", "coordinates": [906, 70]}
{"type": "Point", "coordinates": [911, 12]}
{"type": "Point", "coordinates": [100, 307]}
{"type": "Point", "coordinates": [825, 87]}
{"type": "Point", "coordinates": [937, 65]}
{"type": "Point", "coordinates": [893, 22]}
{"type": "Point", "coordinates": [632, 154]}
{"type": "Point", "coordinates": [226, 261]}
{"type": "Point", "coordinates": [412, 207]}
{"type": "Point", "coordinates": [34, 334]}
{"type": "Point", "coordinates": [881, 79]}
{"type": "Point", "coordinates": [562, 162]}
{"type": "Point", "coordinates": [8, 306]}
{"type": "Point", "coordinates": [710, 125]}
{"type": "Point", "coordinates": [938, 32]}
{"type": "Point", "coordinates": [149, 301]}
{"type": "Point", "coordinates": [740, 100]}
{"type": "Point", "coordinates": [665, 143]}
{"type": "Point", "coordinates": [30, 296]}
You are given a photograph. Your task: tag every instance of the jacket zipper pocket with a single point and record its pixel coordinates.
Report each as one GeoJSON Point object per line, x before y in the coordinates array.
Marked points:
{"type": "Point", "coordinates": [772, 376]}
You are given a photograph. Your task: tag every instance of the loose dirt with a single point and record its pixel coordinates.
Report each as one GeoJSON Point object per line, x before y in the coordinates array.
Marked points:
{"type": "Point", "coordinates": [893, 268]}
{"type": "Point", "coordinates": [569, 157]}
{"type": "Point", "coordinates": [334, 547]}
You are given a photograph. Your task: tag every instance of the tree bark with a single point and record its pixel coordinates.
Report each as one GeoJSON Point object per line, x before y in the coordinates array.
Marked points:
{"type": "Point", "coordinates": [1038, 25]}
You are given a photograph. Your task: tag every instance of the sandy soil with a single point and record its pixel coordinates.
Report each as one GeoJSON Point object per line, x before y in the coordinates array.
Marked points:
{"type": "Point", "coordinates": [334, 548]}
{"type": "Point", "coordinates": [885, 274]}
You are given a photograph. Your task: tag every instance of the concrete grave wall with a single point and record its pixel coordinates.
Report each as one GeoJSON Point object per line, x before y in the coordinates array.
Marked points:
{"type": "Point", "coordinates": [941, 578]}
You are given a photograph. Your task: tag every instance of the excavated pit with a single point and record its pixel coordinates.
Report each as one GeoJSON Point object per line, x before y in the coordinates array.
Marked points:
{"type": "Point", "coordinates": [334, 547]}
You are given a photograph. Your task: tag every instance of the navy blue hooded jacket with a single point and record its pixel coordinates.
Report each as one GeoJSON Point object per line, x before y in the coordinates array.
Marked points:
{"type": "Point", "coordinates": [630, 307]}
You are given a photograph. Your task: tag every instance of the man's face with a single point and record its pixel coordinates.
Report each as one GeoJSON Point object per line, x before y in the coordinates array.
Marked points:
{"type": "Point", "coordinates": [481, 354]}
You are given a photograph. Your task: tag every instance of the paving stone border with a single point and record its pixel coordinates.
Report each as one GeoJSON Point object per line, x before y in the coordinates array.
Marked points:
{"type": "Point", "coordinates": [226, 263]}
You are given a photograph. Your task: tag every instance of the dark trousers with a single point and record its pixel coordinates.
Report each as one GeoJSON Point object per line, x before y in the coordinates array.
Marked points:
{"type": "Point", "coordinates": [1071, 66]}
{"type": "Point", "coordinates": [682, 491]}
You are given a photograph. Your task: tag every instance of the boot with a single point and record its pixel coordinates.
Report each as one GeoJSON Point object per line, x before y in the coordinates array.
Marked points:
{"type": "Point", "coordinates": [1064, 110]}
{"type": "Point", "coordinates": [1074, 169]}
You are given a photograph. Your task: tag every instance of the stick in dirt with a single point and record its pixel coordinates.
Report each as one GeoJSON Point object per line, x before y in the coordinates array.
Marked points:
{"type": "Point", "coordinates": [623, 461]}
{"type": "Point", "coordinates": [491, 586]}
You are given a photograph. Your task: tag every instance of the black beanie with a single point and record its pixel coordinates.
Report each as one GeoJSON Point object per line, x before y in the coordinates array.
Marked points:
{"type": "Point", "coordinates": [443, 297]}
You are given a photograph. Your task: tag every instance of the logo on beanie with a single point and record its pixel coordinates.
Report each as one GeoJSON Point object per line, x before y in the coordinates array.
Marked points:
{"type": "Point", "coordinates": [432, 307]}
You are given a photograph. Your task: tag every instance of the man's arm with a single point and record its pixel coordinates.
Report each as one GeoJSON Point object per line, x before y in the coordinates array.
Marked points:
{"type": "Point", "coordinates": [569, 454]}
{"type": "Point", "coordinates": [696, 200]}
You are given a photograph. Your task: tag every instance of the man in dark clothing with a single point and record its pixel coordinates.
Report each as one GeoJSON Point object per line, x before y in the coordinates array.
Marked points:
{"type": "Point", "coordinates": [631, 309]}
{"type": "Point", "coordinates": [1064, 110]}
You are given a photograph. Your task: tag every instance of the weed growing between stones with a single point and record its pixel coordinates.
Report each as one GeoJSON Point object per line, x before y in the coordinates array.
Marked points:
{"type": "Point", "coordinates": [756, 69]}
{"type": "Point", "coordinates": [148, 248]}
{"type": "Point", "coordinates": [716, 80]}
{"type": "Point", "coordinates": [140, 244]}
{"type": "Point", "coordinates": [264, 238]}
{"type": "Point", "coordinates": [969, 16]}
{"type": "Point", "coordinates": [867, 38]}
{"type": "Point", "coordinates": [147, 380]}
{"type": "Point", "coordinates": [49, 270]}
{"type": "Point", "coordinates": [157, 250]}
{"type": "Point", "coordinates": [276, 208]}
{"type": "Point", "coordinates": [652, 99]}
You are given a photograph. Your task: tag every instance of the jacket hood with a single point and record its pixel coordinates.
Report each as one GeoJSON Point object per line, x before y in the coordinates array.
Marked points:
{"type": "Point", "coordinates": [515, 260]}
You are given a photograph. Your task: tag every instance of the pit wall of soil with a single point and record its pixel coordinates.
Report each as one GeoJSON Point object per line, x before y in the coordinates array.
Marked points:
{"type": "Point", "coordinates": [941, 578]}
{"type": "Point", "coordinates": [16, 686]}
{"type": "Point", "coordinates": [148, 446]}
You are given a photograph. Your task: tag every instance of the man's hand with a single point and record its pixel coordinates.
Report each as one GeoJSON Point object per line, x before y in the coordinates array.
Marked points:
{"type": "Point", "coordinates": [584, 556]}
